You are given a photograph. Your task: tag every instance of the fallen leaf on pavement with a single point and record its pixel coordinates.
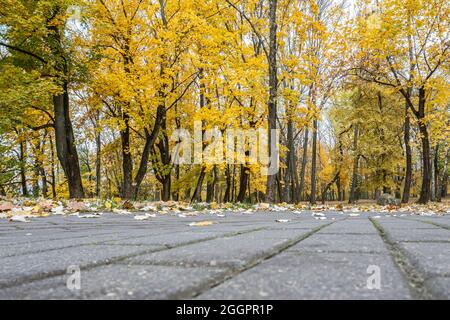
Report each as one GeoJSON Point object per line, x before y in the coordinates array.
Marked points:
{"type": "Point", "coordinates": [201, 224]}
{"type": "Point", "coordinates": [6, 206]}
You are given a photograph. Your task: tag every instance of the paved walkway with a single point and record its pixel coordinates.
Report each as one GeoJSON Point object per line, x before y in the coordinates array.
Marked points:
{"type": "Point", "coordinates": [242, 256]}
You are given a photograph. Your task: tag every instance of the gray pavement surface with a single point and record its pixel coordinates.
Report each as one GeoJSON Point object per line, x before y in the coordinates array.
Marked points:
{"type": "Point", "coordinates": [241, 256]}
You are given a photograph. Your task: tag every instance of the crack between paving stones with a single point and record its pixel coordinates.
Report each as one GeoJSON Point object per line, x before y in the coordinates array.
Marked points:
{"type": "Point", "coordinates": [198, 290]}
{"type": "Point", "coordinates": [89, 266]}
{"type": "Point", "coordinates": [414, 278]}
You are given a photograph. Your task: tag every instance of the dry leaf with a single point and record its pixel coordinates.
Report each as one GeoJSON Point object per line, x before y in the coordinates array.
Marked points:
{"type": "Point", "coordinates": [201, 224]}
{"type": "Point", "coordinates": [6, 206]}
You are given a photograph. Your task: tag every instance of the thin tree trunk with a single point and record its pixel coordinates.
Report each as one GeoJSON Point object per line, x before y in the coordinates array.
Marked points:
{"type": "Point", "coordinates": [211, 186]}
{"type": "Point", "coordinates": [98, 165]}
{"type": "Point", "coordinates": [408, 154]}
{"type": "Point", "coordinates": [127, 161]}
{"type": "Point", "coordinates": [273, 92]}
{"type": "Point", "coordinates": [314, 163]}
{"type": "Point", "coordinates": [227, 196]}
{"type": "Point", "coordinates": [23, 177]}
{"type": "Point", "coordinates": [197, 196]}
{"type": "Point", "coordinates": [436, 173]}
{"type": "Point", "coordinates": [426, 161]}
{"type": "Point", "coordinates": [354, 185]}
{"type": "Point", "coordinates": [304, 163]}
{"type": "Point", "coordinates": [443, 182]}
{"type": "Point", "coordinates": [53, 173]}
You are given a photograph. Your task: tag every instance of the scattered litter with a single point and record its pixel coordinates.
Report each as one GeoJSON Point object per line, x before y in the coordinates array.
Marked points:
{"type": "Point", "coordinates": [59, 210]}
{"type": "Point", "coordinates": [318, 214]}
{"type": "Point", "coordinates": [283, 220]}
{"type": "Point", "coordinates": [89, 216]}
{"type": "Point", "coordinates": [19, 219]}
{"type": "Point", "coordinates": [144, 217]}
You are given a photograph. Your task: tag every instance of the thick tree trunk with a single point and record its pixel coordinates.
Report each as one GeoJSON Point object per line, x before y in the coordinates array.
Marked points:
{"type": "Point", "coordinates": [127, 161]}
{"type": "Point", "coordinates": [150, 140]}
{"type": "Point", "coordinates": [408, 155]}
{"type": "Point", "coordinates": [314, 163]}
{"type": "Point", "coordinates": [166, 188]}
{"type": "Point", "coordinates": [272, 105]}
{"type": "Point", "coordinates": [243, 184]}
{"type": "Point", "coordinates": [65, 144]}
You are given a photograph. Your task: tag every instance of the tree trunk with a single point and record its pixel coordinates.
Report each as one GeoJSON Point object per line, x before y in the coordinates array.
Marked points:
{"type": "Point", "coordinates": [328, 186]}
{"type": "Point", "coordinates": [98, 164]}
{"type": "Point", "coordinates": [127, 161]}
{"type": "Point", "coordinates": [273, 92]}
{"type": "Point", "coordinates": [408, 154]}
{"type": "Point", "coordinates": [197, 196]}
{"type": "Point", "coordinates": [426, 161]}
{"type": "Point", "coordinates": [443, 180]}
{"type": "Point", "coordinates": [52, 160]}
{"type": "Point", "coordinates": [211, 186]}
{"type": "Point", "coordinates": [23, 177]}
{"type": "Point", "coordinates": [436, 172]}
{"type": "Point", "coordinates": [304, 163]}
{"type": "Point", "coordinates": [166, 187]}
{"type": "Point", "coordinates": [314, 163]}
{"type": "Point", "coordinates": [353, 194]}
{"type": "Point", "coordinates": [243, 184]}
{"type": "Point", "coordinates": [227, 196]}
{"type": "Point", "coordinates": [65, 144]}
{"type": "Point", "coordinates": [291, 176]}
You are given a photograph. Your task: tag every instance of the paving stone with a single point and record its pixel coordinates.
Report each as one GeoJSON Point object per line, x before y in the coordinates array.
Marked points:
{"type": "Point", "coordinates": [314, 276]}
{"type": "Point", "coordinates": [321, 242]}
{"type": "Point", "coordinates": [420, 234]}
{"type": "Point", "coordinates": [430, 257]}
{"type": "Point", "coordinates": [233, 251]}
{"type": "Point", "coordinates": [13, 269]}
{"type": "Point", "coordinates": [121, 282]}
{"type": "Point", "coordinates": [440, 287]}
{"type": "Point", "coordinates": [122, 258]}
